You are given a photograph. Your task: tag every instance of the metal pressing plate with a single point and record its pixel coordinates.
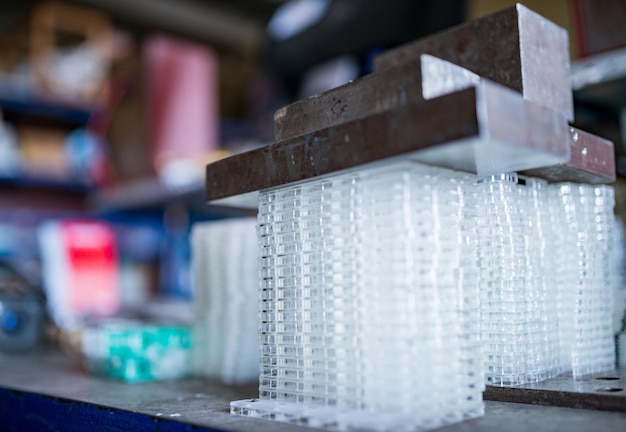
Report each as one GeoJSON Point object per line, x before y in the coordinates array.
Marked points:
{"type": "Point", "coordinates": [515, 47]}
{"type": "Point", "coordinates": [424, 78]}
{"type": "Point", "coordinates": [592, 161]}
{"type": "Point", "coordinates": [605, 391]}
{"type": "Point", "coordinates": [369, 139]}
{"type": "Point", "coordinates": [365, 96]}
{"type": "Point", "coordinates": [485, 129]}
{"type": "Point", "coordinates": [417, 105]}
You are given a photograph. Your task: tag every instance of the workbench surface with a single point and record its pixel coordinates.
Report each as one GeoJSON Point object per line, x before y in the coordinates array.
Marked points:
{"type": "Point", "coordinates": [49, 391]}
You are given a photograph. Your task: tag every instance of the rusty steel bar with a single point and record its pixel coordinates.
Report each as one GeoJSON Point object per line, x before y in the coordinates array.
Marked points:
{"type": "Point", "coordinates": [487, 129]}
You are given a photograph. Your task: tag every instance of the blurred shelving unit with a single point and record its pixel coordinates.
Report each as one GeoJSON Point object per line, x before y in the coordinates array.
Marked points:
{"type": "Point", "coordinates": [146, 194]}
{"type": "Point", "coordinates": [18, 103]}
{"type": "Point", "coordinates": [155, 194]}
{"type": "Point", "coordinates": [36, 193]}
{"type": "Point", "coordinates": [21, 100]}
{"type": "Point", "coordinates": [33, 190]}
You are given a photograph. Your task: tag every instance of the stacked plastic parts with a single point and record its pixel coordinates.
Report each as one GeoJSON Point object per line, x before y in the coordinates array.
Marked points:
{"type": "Point", "coordinates": [404, 262]}
{"type": "Point", "coordinates": [545, 282]}
{"type": "Point", "coordinates": [518, 298]}
{"type": "Point", "coordinates": [584, 225]}
{"type": "Point", "coordinates": [371, 283]}
{"type": "Point", "coordinates": [369, 301]}
{"type": "Point", "coordinates": [225, 328]}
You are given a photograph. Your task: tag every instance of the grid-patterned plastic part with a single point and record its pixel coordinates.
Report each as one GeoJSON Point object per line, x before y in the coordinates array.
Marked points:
{"type": "Point", "coordinates": [369, 294]}
{"type": "Point", "coordinates": [225, 324]}
{"type": "Point", "coordinates": [518, 300]}
{"type": "Point", "coordinates": [545, 280]}
{"type": "Point", "coordinates": [396, 292]}
{"type": "Point", "coordinates": [584, 224]}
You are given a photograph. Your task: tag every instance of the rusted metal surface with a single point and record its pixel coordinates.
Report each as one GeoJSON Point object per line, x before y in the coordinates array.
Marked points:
{"type": "Point", "coordinates": [605, 392]}
{"type": "Point", "coordinates": [368, 95]}
{"type": "Point", "coordinates": [417, 104]}
{"type": "Point", "coordinates": [379, 136]}
{"type": "Point", "coordinates": [515, 47]}
{"type": "Point", "coordinates": [485, 129]}
{"type": "Point", "coordinates": [592, 161]}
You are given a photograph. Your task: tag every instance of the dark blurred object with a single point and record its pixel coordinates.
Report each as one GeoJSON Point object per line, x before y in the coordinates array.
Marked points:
{"type": "Point", "coordinates": [21, 311]}
{"type": "Point", "coordinates": [357, 27]}
{"type": "Point", "coordinates": [124, 122]}
{"type": "Point", "coordinates": [601, 25]}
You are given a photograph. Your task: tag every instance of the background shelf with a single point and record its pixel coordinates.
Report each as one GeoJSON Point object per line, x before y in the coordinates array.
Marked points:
{"type": "Point", "coordinates": [154, 194]}
{"type": "Point", "coordinates": [20, 100]}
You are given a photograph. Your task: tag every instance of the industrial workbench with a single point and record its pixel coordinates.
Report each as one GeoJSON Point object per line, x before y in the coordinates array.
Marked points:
{"type": "Point", "coordinates": [47, 390]}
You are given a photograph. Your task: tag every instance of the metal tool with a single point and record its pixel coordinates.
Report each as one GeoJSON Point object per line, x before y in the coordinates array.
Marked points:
{"type": "Point", "coordinates": [489, 96]}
